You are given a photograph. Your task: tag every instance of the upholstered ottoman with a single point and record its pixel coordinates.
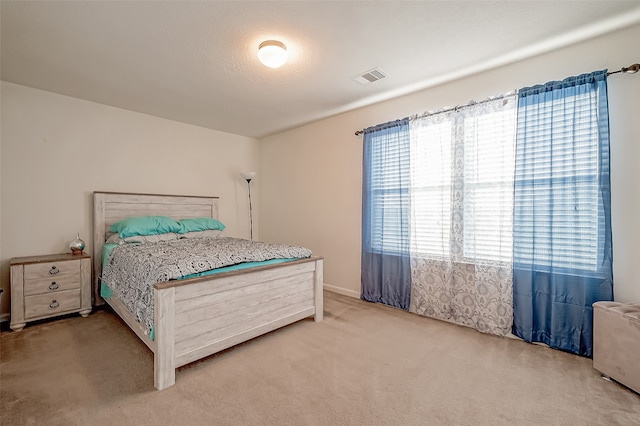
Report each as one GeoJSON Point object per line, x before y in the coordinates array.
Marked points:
{"type": "Point", "coordinates": [616, 341]}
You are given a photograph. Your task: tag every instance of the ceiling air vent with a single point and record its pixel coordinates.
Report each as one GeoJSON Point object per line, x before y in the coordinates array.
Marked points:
{"type": "Point", "coordinates": [371, 76]}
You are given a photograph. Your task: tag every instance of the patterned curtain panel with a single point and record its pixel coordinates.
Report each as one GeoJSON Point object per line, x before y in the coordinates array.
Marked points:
{"type": "Point", "coordinates": [461, 216]}
{"type": "Point", "coordinates": [385, 271]}
{"type": "Point", "coordinates": [562, 225]}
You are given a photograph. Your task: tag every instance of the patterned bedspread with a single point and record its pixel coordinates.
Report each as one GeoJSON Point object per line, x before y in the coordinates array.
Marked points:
{"type": "Point", "coordinates": [132, 269]}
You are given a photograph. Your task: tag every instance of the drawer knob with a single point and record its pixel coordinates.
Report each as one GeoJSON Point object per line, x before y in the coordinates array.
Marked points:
{"type": "Point", "coordinates": [54, 304]}
{"type": "Point", "coordinates": [53, 270]}
{"type": "Point", "coordinates": [54, 286]}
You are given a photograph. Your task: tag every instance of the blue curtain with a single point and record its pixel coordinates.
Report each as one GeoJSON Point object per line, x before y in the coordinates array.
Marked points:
{"type": "Point", "coordinates": [562, 221]}
{"type": "Point", "coordinates": [386, 271]}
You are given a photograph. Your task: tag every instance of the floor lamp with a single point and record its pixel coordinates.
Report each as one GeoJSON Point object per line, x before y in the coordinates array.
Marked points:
{"type": "Point", "coordinates": [248, 176]}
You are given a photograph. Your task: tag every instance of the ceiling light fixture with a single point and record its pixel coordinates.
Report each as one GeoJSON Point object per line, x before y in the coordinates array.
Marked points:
{"type": "Point", "coordinates": [272, 53]}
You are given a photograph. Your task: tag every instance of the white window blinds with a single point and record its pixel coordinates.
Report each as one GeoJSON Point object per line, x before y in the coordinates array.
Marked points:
{"type": "Point", "coordinates": [489, 153]}
{"type": "Point", "coordinates": [557, 183]}
{"type": "Point", "coordinates": [386, 186]}
{"type": "Point", "coordinates": [462, 182]}
{"type": "Point", "coordinates": [431, 146]}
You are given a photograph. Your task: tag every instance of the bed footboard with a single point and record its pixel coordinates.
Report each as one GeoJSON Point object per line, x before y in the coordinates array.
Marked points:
{"type": "Point", "coordinates": [164, 365]}
{"type": "Point", "coordinates": [197, 318]}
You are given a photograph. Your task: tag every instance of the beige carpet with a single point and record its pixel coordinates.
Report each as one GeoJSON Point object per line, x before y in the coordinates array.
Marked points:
{"type": "Point", "coordinates": [365, 364]}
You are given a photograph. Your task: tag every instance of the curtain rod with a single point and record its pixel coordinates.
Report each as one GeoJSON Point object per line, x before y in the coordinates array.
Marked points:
{"type": "Point", "coordinates": [631, 69]}
{"type": "Point", "coordinates": [455, 108]}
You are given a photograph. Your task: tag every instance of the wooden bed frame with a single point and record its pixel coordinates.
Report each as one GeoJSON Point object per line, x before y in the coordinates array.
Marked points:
{"type": "Point", "coordinates": [197, 317]}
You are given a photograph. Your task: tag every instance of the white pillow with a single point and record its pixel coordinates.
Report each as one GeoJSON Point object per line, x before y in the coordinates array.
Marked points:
{"type": "Point", "coordinates": [207, 233]}
{"type": "Point", "coordinates": [115, 238]}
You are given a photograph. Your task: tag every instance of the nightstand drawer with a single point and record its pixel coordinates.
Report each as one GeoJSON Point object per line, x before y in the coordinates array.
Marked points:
{"type": "Point", "coordinates": [51, 269]}
{"type": "Point", "coordinates": [51, 285]}
{"type": "Point", "coordinates": [51, 304]}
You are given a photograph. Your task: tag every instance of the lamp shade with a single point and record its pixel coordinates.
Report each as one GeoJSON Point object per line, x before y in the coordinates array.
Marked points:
{"type": "Point", "coordinates": [248, 175]}
{"type": "Point", "coordinates": [272, 53]}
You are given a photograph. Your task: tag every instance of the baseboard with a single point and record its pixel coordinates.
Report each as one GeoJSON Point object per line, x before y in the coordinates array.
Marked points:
{"type": "Point", "coordinates": [513, 336]}
{"type": "Point", "coordinates": [5, 317]}
{"type": "Point", "coordinates": [343, 291]}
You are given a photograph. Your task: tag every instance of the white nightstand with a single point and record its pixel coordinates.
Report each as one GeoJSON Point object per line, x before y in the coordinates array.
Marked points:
{"type": "Point", "coordinates": [48, 286]}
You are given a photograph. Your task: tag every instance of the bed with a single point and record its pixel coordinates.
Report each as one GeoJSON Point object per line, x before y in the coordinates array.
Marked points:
{"type": "Point", "coordinates": [188, 324]}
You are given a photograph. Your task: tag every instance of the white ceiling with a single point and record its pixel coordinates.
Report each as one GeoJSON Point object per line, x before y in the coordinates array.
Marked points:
{"type": "Point", "coordinates": [195, 62]}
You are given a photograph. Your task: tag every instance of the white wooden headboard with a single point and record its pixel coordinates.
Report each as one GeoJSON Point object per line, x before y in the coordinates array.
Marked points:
{"type": "Point", "coordinates": [111, 207]}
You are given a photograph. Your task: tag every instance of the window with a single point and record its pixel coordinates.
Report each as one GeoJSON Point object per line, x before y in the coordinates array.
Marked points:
{"type": "Point", "coordinates": [447, 181]}
{"type": "Point", "coordinates": [462, 183]}
{"type": "Point", "coordinates": [386, 190]}
{"type": "Point", "coordinates": [558, 173]}
{"type": "Point", "coordinates": [431, 146]}
{"type": "Point", "coordinates": [489, 151]}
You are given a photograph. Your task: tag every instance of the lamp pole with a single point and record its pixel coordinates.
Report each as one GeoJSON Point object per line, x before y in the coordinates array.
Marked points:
{"type": "Point", "coordinates": [250, 210]}
{"type": "Point", "coordinates": [248, 176]}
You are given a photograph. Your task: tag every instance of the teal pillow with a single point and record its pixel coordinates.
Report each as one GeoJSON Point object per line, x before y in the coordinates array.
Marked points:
{"type": "Point", "coordinates": [200, 224]}
{"type": "Point", "coordinates": [145, 225]}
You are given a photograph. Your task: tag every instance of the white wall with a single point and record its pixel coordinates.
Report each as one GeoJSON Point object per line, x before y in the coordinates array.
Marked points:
{"type": "Point", "coordinates": [311, 176]}
{"type": "Point", "coordinates": [57, 150]}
